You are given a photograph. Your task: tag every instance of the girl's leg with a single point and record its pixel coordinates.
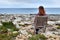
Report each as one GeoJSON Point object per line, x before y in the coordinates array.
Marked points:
{"type": "Point", "coordinates": [37, 31]}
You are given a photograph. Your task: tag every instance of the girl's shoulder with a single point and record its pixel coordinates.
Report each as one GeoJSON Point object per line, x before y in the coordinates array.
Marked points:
{"type": "Point", "coordinates": [41, 16]}
{"type": "Point", "coordinates": [45, 16]}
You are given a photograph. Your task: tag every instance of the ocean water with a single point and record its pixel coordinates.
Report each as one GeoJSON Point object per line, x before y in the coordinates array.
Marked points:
{"type": "Point", "coordinates": [28, 10]}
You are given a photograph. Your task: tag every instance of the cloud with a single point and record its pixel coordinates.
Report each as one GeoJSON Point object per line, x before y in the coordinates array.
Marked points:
{"type": "Point", "coordinates": [29, 3]}
{"type": "Point", "coordinates": [25, 1]}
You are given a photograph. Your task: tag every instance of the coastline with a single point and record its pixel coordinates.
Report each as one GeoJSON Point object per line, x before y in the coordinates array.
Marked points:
{"type": "Point", "coordinates": [25, 24]}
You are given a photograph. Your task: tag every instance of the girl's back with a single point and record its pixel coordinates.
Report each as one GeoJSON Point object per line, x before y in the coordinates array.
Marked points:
{"type": "Point", "coordinates": [40, 21]}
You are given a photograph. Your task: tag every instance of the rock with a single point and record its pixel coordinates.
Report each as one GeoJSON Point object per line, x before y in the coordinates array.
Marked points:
{"type": "Point", "coordinates": [22, 23]}
{"type": "Point", "coordinates": [24, 32]}
{"type": "Point", "coordinates": [9, 29]}
{"type": "Point", "coordinates": [17, 26]}
{"type": "Point", "coordinates": [15, 31]}
{"type": "Point", "coordinates": [31, 31]}
{"type": "Point", "coordinates": [24, 37]}
{"type": "Point", "coordinates": [23, 28]}
{"type": "Point", "coordinates": [0, 24]}
{"type": "Point", "coordinates": [21, 39]}
{"type": "Point", "coordinates": [51, 22]}
{"type": "Point", "coordinates": [29, 27]}
{"type": "Point", "coordinates": [19, 36]}
{"type": "Point", "coordinates": [29, 36]}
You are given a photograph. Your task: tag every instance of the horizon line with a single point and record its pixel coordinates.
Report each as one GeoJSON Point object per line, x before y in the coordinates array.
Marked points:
{"type": "Point", "coordinates": [44, 7]}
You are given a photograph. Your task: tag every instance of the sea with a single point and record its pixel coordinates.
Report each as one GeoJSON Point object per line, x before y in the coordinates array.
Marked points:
{"type": "Point", "coordinates": [28, 10]}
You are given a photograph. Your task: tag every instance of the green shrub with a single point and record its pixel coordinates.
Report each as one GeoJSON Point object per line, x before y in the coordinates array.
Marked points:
{"type": "Point", "coordinates": [37, 37]}
{"type": "Point", "coordinates": [10, 25]}
{"type": "Point", "coordinates": [58, 27]}
{"type": "Point", "coordinates": [5, 37]}
{"type": "Point", "coordinates": [4, 31]}
{"type": "Point", "coordinates": [14, 34]}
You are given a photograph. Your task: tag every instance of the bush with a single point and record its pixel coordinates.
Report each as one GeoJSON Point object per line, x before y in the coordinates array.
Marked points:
{"type": "Point", "coordinates": [9, 25]}
{"type": "Point", "coordinates": [14, 34]}
{"type": "Point", "coordinates": [4, 31]}
{"type": "Point", "coordinates": [58, 27]}
{"type": "Point", "coordinates": [6, 37]}
{"type": "Point", "coordinates": [37, 37]}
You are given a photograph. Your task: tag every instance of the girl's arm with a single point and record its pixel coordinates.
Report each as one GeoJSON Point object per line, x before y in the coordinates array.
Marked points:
{"type": "Point", "coordinates": [35, 20]}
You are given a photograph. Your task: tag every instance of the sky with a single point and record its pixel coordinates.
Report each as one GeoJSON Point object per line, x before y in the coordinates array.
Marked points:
{"type": "Point", "coordinates": [29, 3]}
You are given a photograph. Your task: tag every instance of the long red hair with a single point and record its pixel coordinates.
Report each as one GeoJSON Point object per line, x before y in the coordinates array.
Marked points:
{"type": "Point", "coordinates": [41, 11]}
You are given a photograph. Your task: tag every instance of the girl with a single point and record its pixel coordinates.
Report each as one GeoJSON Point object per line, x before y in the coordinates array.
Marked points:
{"type": "Point", "coordinates": [41, 13]}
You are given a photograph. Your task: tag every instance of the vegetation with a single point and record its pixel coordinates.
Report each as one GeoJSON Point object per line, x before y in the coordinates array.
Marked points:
{"type": "Point", "coordinates": [3, 29]}
{"type": "Point", "coordinates": [37, 37]}
{"type": "Point", "coordinates": [9, 25]}
{"type": "Point", "coordinates": [58, 27]}
{"type": "Point", "coordinates": [5, 34]}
